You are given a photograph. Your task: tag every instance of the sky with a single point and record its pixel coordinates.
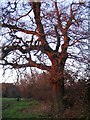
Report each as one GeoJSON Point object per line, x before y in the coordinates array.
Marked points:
{"type": "Point", "coordinates": [3, 1]}
{"type": "Point", "coordinates": [12, 78]}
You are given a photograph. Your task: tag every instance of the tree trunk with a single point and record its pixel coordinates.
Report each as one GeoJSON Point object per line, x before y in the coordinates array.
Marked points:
{"type": "Point", "coordinates": [58, 93]}
{"type": "Point", "coordinates": [88, 99]}
{"type": "Point", "coordinates": [58, 98]}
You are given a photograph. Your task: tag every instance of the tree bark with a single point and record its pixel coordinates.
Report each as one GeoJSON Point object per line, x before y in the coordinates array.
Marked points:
{"type": "Point", "coordinates": [57, 82]}
{"type": "Point", "coordinates": [58, 98]}
{"type": "Point", "coordinates": [88, 99]}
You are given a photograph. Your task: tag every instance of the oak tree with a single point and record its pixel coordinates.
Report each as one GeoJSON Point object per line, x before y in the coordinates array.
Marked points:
{"type": "Point", "coordinates": [44, 35]}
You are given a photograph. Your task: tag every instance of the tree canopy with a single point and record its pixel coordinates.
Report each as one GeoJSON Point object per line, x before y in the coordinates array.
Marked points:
{"type": "Point", "coordinates": [34, 34]}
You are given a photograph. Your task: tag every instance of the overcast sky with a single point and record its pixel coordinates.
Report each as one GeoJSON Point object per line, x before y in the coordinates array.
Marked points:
{"type": "Point", "coordinates": [12, 78]}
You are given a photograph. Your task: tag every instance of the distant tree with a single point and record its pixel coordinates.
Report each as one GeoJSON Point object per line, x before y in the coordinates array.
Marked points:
{"type": "Point", "coordinates": [44, 35]}
{"type": "Point", "coordinates": [9, 90]}
{"type": "Point", "coordinates": [38, 89]}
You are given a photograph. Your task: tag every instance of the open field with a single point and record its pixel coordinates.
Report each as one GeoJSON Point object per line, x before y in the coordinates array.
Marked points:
{"type": "Point", "coordinates": [11, 108]}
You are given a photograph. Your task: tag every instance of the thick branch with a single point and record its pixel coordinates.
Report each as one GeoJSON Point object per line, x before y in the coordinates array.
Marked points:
{"type": "Point", "coordinates": [66, 44]}
{"type": "Point", "coordinates": [40, 66]}
{"type": "Point", "coordinates": [42, 39]}
{"type": "Point", "coordinates": [58, 17]}
{"type": "Point", "coordinates": [19, 29]}
{"type": "Point", "coordinates": [58, 39]}
{"type": "Point", "coordinates": [29, 64]}
{"type": "Point", "coordinates": [70, 19]}
{"type": "Point", "coordinates": [8, 49]}
{"type": "Point", "coordinates": [36, 10]}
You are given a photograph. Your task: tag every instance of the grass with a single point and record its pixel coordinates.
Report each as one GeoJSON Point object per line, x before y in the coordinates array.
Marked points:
{"type": "Point", "coordinates": [14, 109]}
{"type": "Point", "coordinates": [34, 109]}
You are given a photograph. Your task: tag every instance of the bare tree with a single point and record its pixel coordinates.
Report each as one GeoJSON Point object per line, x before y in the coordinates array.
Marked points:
{"type": "Point", "coordinates": [44, 35]}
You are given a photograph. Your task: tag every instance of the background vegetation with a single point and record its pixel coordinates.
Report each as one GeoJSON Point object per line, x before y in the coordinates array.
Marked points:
{"type": "Point", "coordinates": [36, 100]}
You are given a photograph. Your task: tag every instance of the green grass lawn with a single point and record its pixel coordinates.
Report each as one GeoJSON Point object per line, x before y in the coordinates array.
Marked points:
{"type": "Point", "coordinates": [14, 109]}
{"type": "Point", "coordinates": [11, 108]}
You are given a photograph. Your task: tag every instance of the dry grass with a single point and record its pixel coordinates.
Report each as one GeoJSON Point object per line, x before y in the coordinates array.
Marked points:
{"type": "Point", "coordinates": [39, 108]}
